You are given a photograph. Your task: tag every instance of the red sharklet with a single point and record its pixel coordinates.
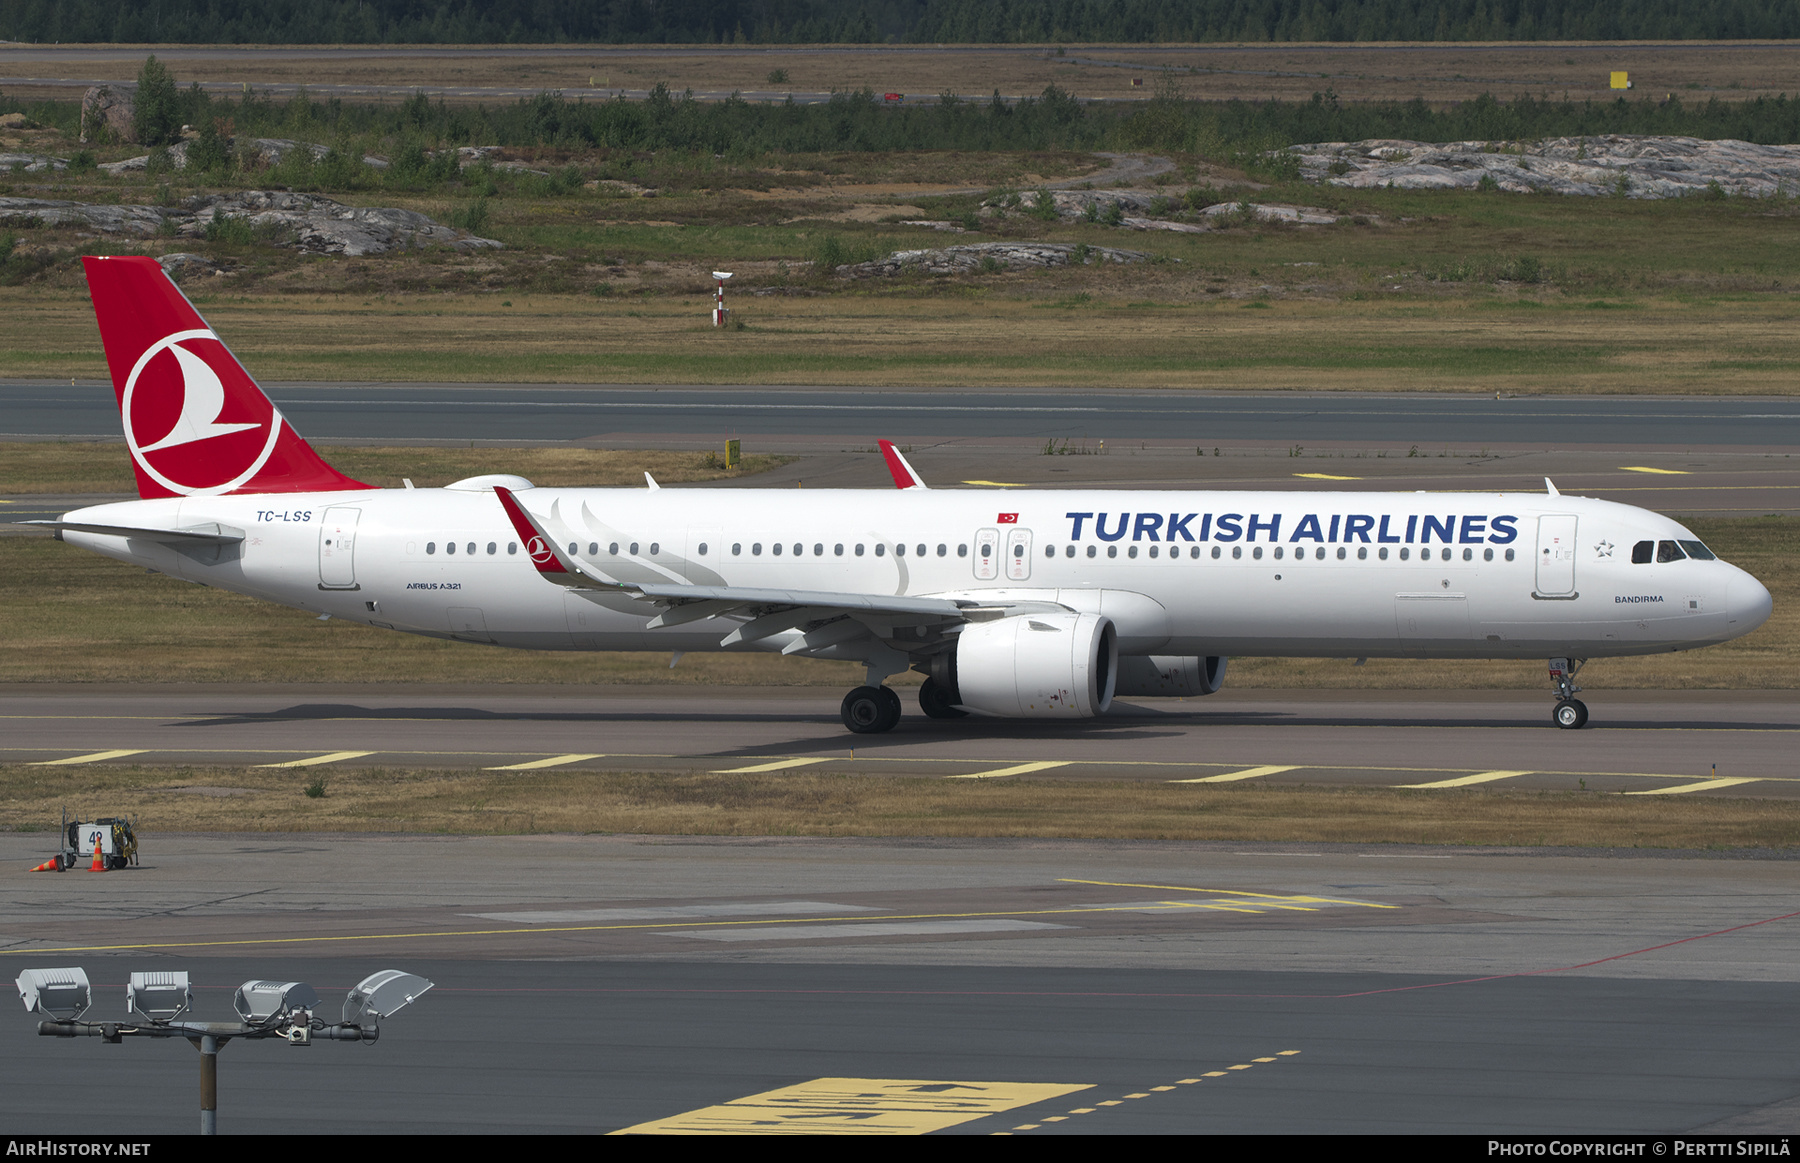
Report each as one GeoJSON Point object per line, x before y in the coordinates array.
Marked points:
{"type": "Point", "coordinates": [195, 422]}
{"type": "Point", "coordinates": [902, 472]}
{"type": "Point", "coordinates": [538, 545]}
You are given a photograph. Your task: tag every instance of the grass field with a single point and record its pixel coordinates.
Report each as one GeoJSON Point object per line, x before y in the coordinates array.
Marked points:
{"type": "Point", "coordinates": [1358, 72]}
{"type": "Point", "coordinates": [393, 800]}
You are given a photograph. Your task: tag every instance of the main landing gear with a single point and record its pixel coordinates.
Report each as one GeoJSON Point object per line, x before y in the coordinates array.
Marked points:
{"type": "Point", "coordinates": [870, 710]}
{"type": "Point", "coordinates": [1570, 713]}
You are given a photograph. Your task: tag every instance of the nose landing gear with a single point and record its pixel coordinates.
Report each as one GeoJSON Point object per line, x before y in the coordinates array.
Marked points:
{"type": "Point", "coordinates": [1570, 713]}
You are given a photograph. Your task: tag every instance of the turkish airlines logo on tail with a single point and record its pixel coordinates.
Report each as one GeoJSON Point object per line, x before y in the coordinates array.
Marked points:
{"type": "Point", "coordinates": [541, 554]}
{"type": "Point", "coordinates": [174, 408]}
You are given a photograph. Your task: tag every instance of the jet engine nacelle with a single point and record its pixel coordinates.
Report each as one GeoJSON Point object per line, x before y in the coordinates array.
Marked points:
{"type": "Point", "coordinates": [1173, 677]}
{"type": "Point", "coordinates": [1038, 666]}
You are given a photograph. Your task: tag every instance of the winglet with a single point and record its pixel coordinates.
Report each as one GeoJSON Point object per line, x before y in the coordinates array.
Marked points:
{"type": "Point", "coordinates": [1550, 487]}
{"type": "Point", "coordinates": [552, 563]}
{"type": "Point", "coordinates": [903, 474]}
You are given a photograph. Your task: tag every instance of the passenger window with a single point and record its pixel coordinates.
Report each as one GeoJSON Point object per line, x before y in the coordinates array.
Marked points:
{"type": "Point", "coordinates": [1697, 551]}
{"type": "Point", "coordinates": [943, 550]}
{"type": "Point", "coordinates": [1404, 554]}
{"type": "Point", "coordinates": [1112, 551]}
{"type": "Point", "coordinates": [431, 547]}
{"type": "Point", "coordinates": [1362, 553]}
{"type": "Point", "coordinates": [1257, 553]}
{"type": "Point", "coordinates": [634, 547]}
{"type": "Point", "coordinates": [899, 549]}
{"type": "Point", "coordinates": [1018, 550]}
{"type": "Point", "coordinates": [449, 547]}
{"type": "Point", "coordinates": [1215, 553]}
{"type": "Point", "coordinates": [1381, 553]}
{"type": "Point", "coordinates": [737, 548]}
{"type": "Point", "coordinates": [655, 549]}
{"type": "Point", "coordinates": [838, 549]}
{"type": "Point", "coordinates": [472, 548]}
{"type": "Point", "coordinates": [921, 551]}
{"type": "Point", "coordinates": [859, 549]}
{"type": "Point", "coordinates": [1342, 553]}
{"type": "Point", "coordinates": [819, 549]}
{"type": "Point", "coordinates": [1468, 555]}
{"type": "Point", "coordinates": [987, 550]}
{"type": "Point", "coordinates": [880, 549]}
{"type": "Point", "coordinates": [512, 547]}
{"type": "Point", "coordinates": [613, 549]}
{"type": "Point", "coordinates": [1092, 550]}
{"type": "Point", "coordinates": [1278, 553]}
{"type": "Point", "coordinates": [1153, 551]}
{"type": "Point", "coordinates": [798, 549]}
{"type": "Point", "coordinates": [1237, 552]}
{"type": "Point", "coordinates": [1132, 552]}
{"type": "Point", "coordinates": [493, 548]}
{"type": "Point", "coordinates": [1667, 551]}
{"type": "Point", "coordinates": [774, 549]}
{"type": "Point", "coordinates": [1049, 551]}
{"type": "Point", "coordinates": [703, 549]}
{"type": "Point", "coordinates": [756, 549]}
{"type": "Point", "coordinates": [1069, 552]}
{"type": "Point", "coordinates": [962, 551]}
{"type": "Point", "coordinates": [1509, 555]}
{"type": "Point", "coordinates": [593, 549]}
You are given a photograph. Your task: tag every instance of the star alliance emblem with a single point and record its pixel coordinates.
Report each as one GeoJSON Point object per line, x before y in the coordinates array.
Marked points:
{"type": "Point", "coordinates": [1604, 549]}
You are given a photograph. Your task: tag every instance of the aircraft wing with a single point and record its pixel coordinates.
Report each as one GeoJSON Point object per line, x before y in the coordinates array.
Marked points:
{"type": "Point", "coordinates": [769, 611]}
{"type": "Point", "coordinates": [211, 534]}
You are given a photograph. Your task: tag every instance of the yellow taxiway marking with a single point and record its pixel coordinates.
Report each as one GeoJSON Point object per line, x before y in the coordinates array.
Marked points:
{"type": "Point", "coordinates": [1666, 472]}
{"type": "Point", "coordinates": [778, 765]}
{"type": "Point", "coordinates": [96, 757]}
{"type": "Point", "coordinates": [553, 761]}
{"type": "Point", "coordinates": [998, 484]}
{"type": "Point", "coordinates": [1290, 898]}
{"type": "Point", "coordinates": [1466, 780]}
{"type": "Point", "coordinates": [858, 1106]}
{"type": "Point", "coordinates": [334, 757]}
{"type": "Point", "coordinates": [1232, 776]}
{"type": "Point", "coordinates": [1703, 785]}
{"type": "Point", "coordinates": [1017, 769]}
{"type": "Point", "coordinates": [1324, 476]}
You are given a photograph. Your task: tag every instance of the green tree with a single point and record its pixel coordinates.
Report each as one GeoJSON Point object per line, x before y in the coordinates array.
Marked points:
{"type": "Point", "coordinates": [156, 110]}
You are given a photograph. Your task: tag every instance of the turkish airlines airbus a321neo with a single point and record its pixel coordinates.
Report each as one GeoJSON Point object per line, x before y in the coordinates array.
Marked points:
{"type": "Point", "coordinates": [1029, 605]}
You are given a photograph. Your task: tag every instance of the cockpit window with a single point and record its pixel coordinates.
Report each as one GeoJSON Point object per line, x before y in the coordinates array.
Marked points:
{"type": "Point", "coordinates": [1697, 551]}
{"type": "Point", "coordinates": [1643, 553]}
{"type": "Point", "coordinates": [1667, 551]}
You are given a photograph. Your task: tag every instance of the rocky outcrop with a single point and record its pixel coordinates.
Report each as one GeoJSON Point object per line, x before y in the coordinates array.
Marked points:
{"type": "Point", "coordinates": [31, 163]}
{"type": "Point", "coordinates": [267, 151]}
{"type": "Point", "coordinates": [1011, 256]}
{"type": "Point", "coordinates": [1635, 166]}
{"type": "Point", "coordinates": [106, 115]}
{"type": "Point", "coordinates": [303, 222]}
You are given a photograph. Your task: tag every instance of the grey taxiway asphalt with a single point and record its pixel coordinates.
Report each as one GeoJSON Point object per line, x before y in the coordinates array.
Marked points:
{"type": "Point", "coordinates": [512, 413]}
{"type": "Point", "coordinates": [595, 983]}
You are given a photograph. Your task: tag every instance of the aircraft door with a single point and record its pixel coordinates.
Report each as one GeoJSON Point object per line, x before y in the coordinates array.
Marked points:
{"type": "Point", "coordinates": [1556, 556]}
{"type": "Point", "coordinates": [987, 554]}
{"type": "Point", "coordinates": [337, 548]}
{"type": "Point", "coordinates": [1018, 554]}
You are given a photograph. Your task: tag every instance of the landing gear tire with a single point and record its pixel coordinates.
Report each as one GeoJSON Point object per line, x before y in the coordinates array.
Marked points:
{"type": "Point", "coordinates": [1570, 714]}
{"type": "Point", "coordinates": [870, 710]}
{"type": "Point", "coordinates": [937, 702]}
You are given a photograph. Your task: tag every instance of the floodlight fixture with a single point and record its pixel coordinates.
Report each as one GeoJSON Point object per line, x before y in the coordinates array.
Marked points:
{"type": "Point", "coordinates": [62, 995]}
{"type": "Point", "coordinates": [159, 996]}
{"type": "Point", "coordinates": [381, 994]}
{"type": "Point", "coordinates": [258, 1001]}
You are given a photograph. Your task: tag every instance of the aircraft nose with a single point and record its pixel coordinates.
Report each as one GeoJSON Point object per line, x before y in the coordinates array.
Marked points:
{"type": "Point", "coordinates": [1749, 602]}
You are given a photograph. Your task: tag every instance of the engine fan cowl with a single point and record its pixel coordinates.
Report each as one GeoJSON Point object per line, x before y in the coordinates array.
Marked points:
{"type": "Point", "coordinates": [1038, 666]}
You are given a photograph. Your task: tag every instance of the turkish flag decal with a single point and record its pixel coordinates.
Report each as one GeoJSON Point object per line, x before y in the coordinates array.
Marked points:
{"type": "Point", "coordinates": [1007, 519]}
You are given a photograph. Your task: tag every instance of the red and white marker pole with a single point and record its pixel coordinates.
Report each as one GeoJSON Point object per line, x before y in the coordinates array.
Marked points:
{"type": "Point", "coordinates": [719, 311]}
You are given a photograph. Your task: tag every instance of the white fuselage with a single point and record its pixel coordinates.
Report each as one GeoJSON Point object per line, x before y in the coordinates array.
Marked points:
{"type": "Point", "coordinates": [1516, 575]}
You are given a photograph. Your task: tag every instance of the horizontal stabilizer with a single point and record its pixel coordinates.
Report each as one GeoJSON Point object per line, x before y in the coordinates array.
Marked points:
{"type": "Point", "coordinates": [210, 533]}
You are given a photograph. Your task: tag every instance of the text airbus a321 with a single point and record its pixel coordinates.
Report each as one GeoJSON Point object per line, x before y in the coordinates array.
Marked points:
{"type": "Point", "coordinates": [1042, 605]}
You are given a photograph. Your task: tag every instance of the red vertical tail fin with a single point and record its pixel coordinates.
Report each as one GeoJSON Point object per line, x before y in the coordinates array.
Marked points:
{"type": "Point", "coordinates": [196, 423]}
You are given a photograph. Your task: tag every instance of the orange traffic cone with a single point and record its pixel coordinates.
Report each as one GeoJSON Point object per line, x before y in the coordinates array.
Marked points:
{"type": "Point", "coordinates": [54, 864]}
{"type": "Point", "coordinates": [99, 864]}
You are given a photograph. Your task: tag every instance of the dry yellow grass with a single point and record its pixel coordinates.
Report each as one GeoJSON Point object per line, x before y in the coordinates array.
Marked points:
{"type": "Point", "coordinates": [971, 338]}
{"type": "Point", "coordinates": [1364, 72]}
{"type": "Point", "coordinates": [390, 800]}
